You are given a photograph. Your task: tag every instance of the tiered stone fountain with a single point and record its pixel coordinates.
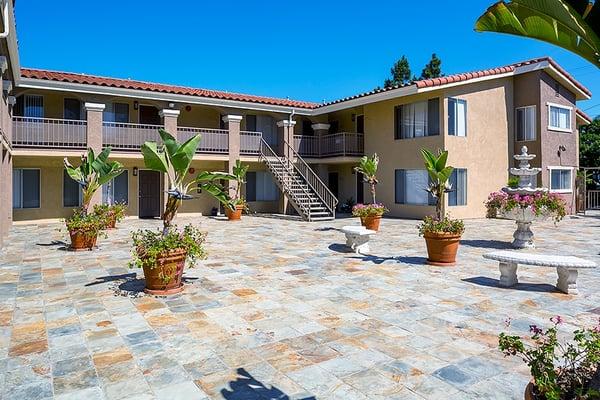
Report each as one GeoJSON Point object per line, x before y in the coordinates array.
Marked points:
{"type": "Point", "coordinates": [523, 236]}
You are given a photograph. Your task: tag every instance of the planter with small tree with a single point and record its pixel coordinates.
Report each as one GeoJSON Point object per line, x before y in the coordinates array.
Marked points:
{"type": "Point", "coordinates": [237, 200]}
{"type": "Point", "coordinates": [93, 172]}
{"type": "Point", "coordinates": [163, 254]}
{"type": "Point", "coordinates": [369, 214]}
{"type": "Point", "coordinates": [442, 234]}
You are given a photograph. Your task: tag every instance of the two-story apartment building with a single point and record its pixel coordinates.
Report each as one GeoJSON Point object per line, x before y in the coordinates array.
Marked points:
{"type": "Point", "coordinates": [301, 154]}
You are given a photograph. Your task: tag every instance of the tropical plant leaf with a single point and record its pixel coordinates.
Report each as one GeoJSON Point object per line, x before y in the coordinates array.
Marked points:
{"type": "Point", "coordinates": [153, 159]}
{"type": "Point", "coordinates": [440, 163]}
{"type": "Point", "coordinates": [183, 156]}
{"type": "Point", "coordinates": [169, 141]}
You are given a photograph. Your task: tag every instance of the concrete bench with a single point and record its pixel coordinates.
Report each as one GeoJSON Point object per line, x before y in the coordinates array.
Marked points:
{"type": "Point", "coordinates": [357, 238]}
{"type": "Point", "coordinates": [566, 267]}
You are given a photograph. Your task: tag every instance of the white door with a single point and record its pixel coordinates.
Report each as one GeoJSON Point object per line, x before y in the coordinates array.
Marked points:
{"type": "Point", "coordinates": [266, 124]}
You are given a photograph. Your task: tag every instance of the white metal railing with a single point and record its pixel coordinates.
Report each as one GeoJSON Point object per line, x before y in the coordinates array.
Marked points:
{"type": "Point", "coordinates": [212, 141]}
{"type": "Point", "coordinates": [593, 200]}
{"type": "Point", "coordinates": [312, 179]}
{"type": "Point", "coordinates": [126, 136]}
{"type": "Point", "coordinates": [49, 132]}
{"type": "Point", "coordinates": [250, 142]}
{"type": "Point", "coordinates": [335, 144]}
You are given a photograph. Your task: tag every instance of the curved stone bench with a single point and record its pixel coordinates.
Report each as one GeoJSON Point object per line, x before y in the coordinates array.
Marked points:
{"type": "Point", "coordinates": [357, 238]}
{"type": "Point", "coordinates": [566, 267]}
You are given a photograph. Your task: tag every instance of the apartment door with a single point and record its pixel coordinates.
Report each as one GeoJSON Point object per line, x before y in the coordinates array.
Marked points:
{"type": "Point", "coordinates": [149, 115]}
{"type": "Point", "coordinates": [333, 183]}
{"type": "Point", "coordinates": [360, 188]}
{"type": "Point", "coordinates": [149, 194]}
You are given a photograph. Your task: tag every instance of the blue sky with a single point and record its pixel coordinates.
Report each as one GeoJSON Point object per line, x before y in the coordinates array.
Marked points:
{"type": "Point", "coordinates": [310, 50]}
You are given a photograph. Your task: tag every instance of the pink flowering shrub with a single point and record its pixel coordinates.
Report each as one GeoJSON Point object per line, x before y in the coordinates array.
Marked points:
{"type": "Point", "coordinates": [560, 371]}
{"type": "Point", "coordinates": [369, 210]}
{"type": "Point", "coordinates": [539, 203]}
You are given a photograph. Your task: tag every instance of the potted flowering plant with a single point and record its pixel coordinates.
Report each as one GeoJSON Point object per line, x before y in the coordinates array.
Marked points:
{"type": "Point", "coordinates": [111, 214]}
{"type": "Point", "coordinates": [538, 205]}
{"type": "Point", "coordinates": [560, 371]}
{"type": "Point", "coordinates": [370, 214]}
{"type": "Point", "coordinates": [237, 200]}
{"type": "Point", "coordinates": [93, 172]}
{"type": "Point", "coordinates": [442, 234]}
{"type": "Point", "coordinates": [163, 254]}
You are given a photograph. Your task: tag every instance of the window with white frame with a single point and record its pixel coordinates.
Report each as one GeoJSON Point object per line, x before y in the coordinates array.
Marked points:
{"type": "Point", "coordinates": [116, 112]}
{"type": "Point", "coordinates": [411, 187]}
{"type": "Point", "coordinates": [260, 187]}
{"type": "Point", "coordinates": [117, 190]}
{"type": "Point", "coordinates": [26, 188]}
{"type": "Point", "coordinates": [561, 179]}
{"type": "Point", "coordinates": [559, 117]}
{"type": "Point", "coordinates": [525, 123]}
{"type": "Point", "coordinates": [457, 117]}
{"type": "Point", "coordinates": [458, 194]}
{"type": "Point", "coordinates": [72, 193]}
{"type": "Point", "coordinates": [30, 106]}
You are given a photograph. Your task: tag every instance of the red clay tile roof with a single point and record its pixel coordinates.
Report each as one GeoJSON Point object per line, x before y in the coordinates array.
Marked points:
{"type": "Point", "coordinates": [584, 115]}
{"type": "Point", "coordinates": [157, 87]}
{"type": "Point", "coordinates": [426, 83]}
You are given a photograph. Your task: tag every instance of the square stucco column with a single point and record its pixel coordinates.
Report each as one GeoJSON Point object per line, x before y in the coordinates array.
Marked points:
{"type": "Point", "coordinates": [286, 135]}
{"type": "Point", "coordinates": [169, 117]}
{"type": "Point", "coordinates": [94, 136]}
{"type": "Point", "coordinates": [233, 126]}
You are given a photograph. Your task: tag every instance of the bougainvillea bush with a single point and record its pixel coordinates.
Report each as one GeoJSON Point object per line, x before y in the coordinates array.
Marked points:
{"type": "Point", "coordinates": [540, 203]}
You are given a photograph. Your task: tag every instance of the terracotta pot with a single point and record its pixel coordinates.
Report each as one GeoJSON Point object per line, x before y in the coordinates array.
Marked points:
{"type": "Point", "coordinates": [371, 222]}
{"type": "Point", "coordinates": [164, 277]}
{"type": "Point", "coordinates": [442, 248]}
{"type": "Point", "coordinates": [111, 221]}
{"type": "Point", "coordinates": [234, 215]}
{"type": "Point", "coordinates": [82, 240]}
{"type": "Point", "coordinates": [529, 392]}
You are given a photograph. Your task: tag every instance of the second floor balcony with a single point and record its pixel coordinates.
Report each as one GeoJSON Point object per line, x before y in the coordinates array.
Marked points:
{"type": "Point", "coordinates": [31, 132]}
{"type": "Point", "coordinates": [332, 145]}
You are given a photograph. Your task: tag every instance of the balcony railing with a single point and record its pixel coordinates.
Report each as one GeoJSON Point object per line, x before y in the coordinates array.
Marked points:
{"type": "Point", "coordinates": [335, 144]}
{"type": "Point", "coordinates": [49, 133]}
{"type": "Point", "coordinates": [250, 142]}
{"type": "Point", "coordinates": [215, 141]}
{"type": "Point", "coordinates": [128, 137]}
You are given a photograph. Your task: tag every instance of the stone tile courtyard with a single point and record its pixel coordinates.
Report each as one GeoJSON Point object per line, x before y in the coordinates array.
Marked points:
{"type": "Point", "coordinates": [279, 309]}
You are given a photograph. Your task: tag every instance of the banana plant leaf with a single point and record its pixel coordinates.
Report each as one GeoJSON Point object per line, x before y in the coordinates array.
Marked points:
{"type": "Point", "coordinates": [571, 24]}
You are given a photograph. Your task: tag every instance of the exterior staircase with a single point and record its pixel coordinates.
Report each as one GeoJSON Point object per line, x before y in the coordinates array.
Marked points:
{"type": "Point", "coordinates": [309, 196]}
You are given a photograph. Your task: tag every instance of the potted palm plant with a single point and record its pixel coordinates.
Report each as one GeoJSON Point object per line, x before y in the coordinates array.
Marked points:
{"type": "Point", "coordinates": [369, 214]}
{"type": "Point", "coordinates": [93, 172]}
{"type": "Point", "coordinates": [442, 234]}
{"type": "Point", "coordinates": [163, 254]}
{"type": "Point", "coordinates": [237, 200]}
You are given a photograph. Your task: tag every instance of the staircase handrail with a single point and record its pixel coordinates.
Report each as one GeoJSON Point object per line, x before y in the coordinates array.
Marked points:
{"type": "Point", "coordinates": [313, 180]}
{"type": "Point", "coordinates": [271, 153]}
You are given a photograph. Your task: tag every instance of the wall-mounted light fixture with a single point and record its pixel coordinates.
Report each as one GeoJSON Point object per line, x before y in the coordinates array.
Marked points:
{"type": "Point", "coordinates": [561, 149]}
{"type": "Point", "coordinates": [135, 171]}
{"type": "Point", "coordinates": [171, 105]}
{"type": "Point", "coordinates": [136, 105]}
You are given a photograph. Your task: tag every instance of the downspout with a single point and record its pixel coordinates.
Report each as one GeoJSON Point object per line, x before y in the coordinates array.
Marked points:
{"type": "Point", "coordinates": [5, 20]}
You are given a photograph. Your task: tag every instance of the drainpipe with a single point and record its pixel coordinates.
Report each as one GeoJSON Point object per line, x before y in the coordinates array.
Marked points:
{"type": "Point", "coordinates": [5, 20]}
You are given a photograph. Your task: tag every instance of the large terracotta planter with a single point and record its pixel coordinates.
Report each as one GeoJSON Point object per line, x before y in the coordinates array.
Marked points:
{"type": "Point", "coordinates": [111, 221]}
{"type": "Point", "coordinates": [83, 240]}
{"type": "Point", "coordinates": [529, 395]}
{"type": "Point", "coordinates": [164, 277]}
{"type": "Point", "coordinates": [234, 215]}
{"type": "Point", "coordinates": [371, 222]}
{"type": "Point", "coordinates": [441, 248]}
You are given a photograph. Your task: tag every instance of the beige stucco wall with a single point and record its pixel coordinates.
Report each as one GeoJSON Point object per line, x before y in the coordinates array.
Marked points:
{"type": "Point", "coordinates": [484, 151]}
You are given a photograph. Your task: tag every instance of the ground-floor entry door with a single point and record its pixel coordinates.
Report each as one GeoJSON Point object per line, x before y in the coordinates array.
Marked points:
{"type": "Point", "coordinates": [360, 188]}
{"type": "Point", "coordinates": [149, 192]}
{"type": "Point", "coordinates": [333, 183]}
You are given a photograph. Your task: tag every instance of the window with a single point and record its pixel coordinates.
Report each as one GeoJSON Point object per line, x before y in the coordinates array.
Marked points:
{"type": "Point", "coordinates": [72, 193]}
{"type": "Point", "coordinates": [525, 123]}
{"type": "Point", "coordinates": [458, 195]}
{"type": "Point", "coordinates": [334, 126]}
{"type": "Point", "coordinates": [26, 188]}
{"type": "Point", "coordinates": [559, 117]}
{"type": "Point", "coordinates": [251, 123]}
{"type": "Point", "coordinates": [260, 187]}
{"type": "Point", "coordinates": [72, 109]}
{"type": "Point", "coordinates": [117, 190]}
{"type": "Point", "coordinates": [30, 106]}
{"type": "Point", "coordinates": [307, 127]}
{"type": "Point", "coordinates": [417, 119]}
{"type": "Point", "coordinates": [360, 124]}
{"type": "Point", "coordinates": [560, 179]}
{"type": "Point", "coordinates": [117, 112]}
{"type": "Point", "coordinates": [457, 117]}
{"type": "Point", "coordinates": [411, 187]}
